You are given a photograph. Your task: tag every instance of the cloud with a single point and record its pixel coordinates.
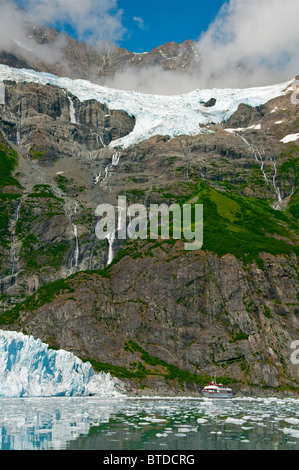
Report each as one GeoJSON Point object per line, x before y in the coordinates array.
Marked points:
{"type": "Point", "coordinates": [251, 43]}
{"type": "Point", "coordinates": [14, 37]}
{"type": "Point", "coordinates": [91, 20]}
{"type": "Point", "coordinates": [94, 21]}
{"type": "Point", "coordinates": [153, 80]}
{"type": "Point", "coordinates": [140, 22]}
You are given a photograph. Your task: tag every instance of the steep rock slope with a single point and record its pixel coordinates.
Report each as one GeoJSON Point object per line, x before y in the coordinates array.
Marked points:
{"type": "Point", "coordinates": [158, 315]}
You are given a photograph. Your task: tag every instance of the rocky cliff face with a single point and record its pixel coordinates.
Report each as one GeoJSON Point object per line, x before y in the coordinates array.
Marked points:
{"type": "Point", "coordinates": [159, 317]}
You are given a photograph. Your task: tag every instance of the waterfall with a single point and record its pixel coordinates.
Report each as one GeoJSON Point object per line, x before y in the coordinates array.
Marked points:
{"type": "Point", "coordinates": [77, 245]}
{"type": "Point", "coordinates": [74, 263]}
{"type": "Point", "coordinates": [257, 156]}
{"type": "Point", "coordinates": [13, 252]}
{"type": "Point", "coordinates": [17, 121]}
{"type": "Point", "coordinates": [97, 179]}
{"type": "Point", "coordinates": [261, 163]}
{"type": "Point", "coordinates": [72, 111]}
{"type": "Point", "coordinates": [277, 190]}
{"type": "Point", "coordinates": [110, 237]}
{"type": "Point", "coordinates": [102, 141]}
{"type": "Point", "coordinates": [106, 175]}
{"type": "Point", "coordinates": [19, 126]}
{"type": "Point", "coordinates": [115, 162]}
{"type": "Point", "coordinates": [115, 158]}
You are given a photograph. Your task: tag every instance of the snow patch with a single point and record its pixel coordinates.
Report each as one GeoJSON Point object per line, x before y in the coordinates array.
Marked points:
{"type": "Point", "coordinates": [242, 129]}
{"type": "Point", "coordinates": [290, 138]}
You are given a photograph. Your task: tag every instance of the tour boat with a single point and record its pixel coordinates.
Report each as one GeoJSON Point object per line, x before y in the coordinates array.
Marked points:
{"type": "Point", "coordinates": [214, 390]}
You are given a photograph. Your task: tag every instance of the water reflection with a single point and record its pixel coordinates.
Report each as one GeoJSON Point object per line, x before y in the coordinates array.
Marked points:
{"type": "Point", "coordinates": [163, 424]}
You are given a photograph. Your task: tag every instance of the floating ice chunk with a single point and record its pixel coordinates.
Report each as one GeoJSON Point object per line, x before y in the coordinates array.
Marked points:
{"type": "Point", "coordinates": [201, 420]}
{"type": "Point", "coordinates": [154, 420]}
{"type": "Point", "coordinates": [292, 420]}
{"type": "Point", "coordinates": [292, 432]}
{"type": "Point", "coordinates": [235, 421]}
{"type": "Point", "coordinates": [187, 429]}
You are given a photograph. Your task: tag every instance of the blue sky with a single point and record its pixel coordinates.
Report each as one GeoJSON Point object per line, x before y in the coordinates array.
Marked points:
{"type": "Point", "coordinates": [151, 23]}
{"type": "Point", "coordinates": [137, 25]}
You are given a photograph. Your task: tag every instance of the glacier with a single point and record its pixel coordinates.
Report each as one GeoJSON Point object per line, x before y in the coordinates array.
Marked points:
{"type": "Point", "coordinates": [156, 114]}
{"type": "Point", "coordinates": [29, 368]}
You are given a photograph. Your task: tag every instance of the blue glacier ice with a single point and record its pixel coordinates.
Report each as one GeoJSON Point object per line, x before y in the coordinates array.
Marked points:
{"type": "Point", "coordinates": [28, 368]}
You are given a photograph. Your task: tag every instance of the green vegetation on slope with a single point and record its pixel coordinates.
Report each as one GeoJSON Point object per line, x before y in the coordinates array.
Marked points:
{"type": "Point", "coordinates": [8, 195]}
{"type": "Point", "coordinates": [158, 367]}
{"type": "Point", "coordinates": [44, 295]}
{"type": "Point", "coordinates": [8, 164]}
{"type": "Point", "coordinates": [244, 226]}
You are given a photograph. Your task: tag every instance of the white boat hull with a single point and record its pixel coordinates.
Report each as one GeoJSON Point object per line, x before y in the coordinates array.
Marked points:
{"type": "Point", "coordinates": [214, 390]}
{"type": "Point", "coordinates": [217, 395]}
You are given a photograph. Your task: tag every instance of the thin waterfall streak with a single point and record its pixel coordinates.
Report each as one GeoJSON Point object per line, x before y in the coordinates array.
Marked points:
{"type": "Point", "coordinates": [77, 246]}
{"type": "Point", "coordinates": [276, 188]}
{"type": "Point", "coordinates": [72, 111]}
{"type": "Point", "coordinates": [257, 156]}
{"type": "Point", "coordinates": [13, 255]}
{"type": "Point", "coordinates": [110, 237]}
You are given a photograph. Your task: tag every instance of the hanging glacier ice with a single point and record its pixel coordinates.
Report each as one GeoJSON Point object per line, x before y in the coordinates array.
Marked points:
{"type": "Point", "coordinates": [28, 368]}
{"type": "Point", "coordinates": [156, 114]}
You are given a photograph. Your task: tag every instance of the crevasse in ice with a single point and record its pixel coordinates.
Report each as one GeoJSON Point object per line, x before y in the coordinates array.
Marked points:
{"type": "Point", "coordinates": [28, 368]}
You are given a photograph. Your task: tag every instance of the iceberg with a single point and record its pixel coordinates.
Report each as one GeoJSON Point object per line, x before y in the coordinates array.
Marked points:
{"type": "Point", "coordinates": [29, 368]}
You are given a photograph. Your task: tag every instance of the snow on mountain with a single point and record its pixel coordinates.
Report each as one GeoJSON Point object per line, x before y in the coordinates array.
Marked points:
{"type": "Point", "coordinates": [156, 114]}
{"type": "Point", "coordinates": [290, 138]}
{"type": "Point", "coordinates": [28, 368]}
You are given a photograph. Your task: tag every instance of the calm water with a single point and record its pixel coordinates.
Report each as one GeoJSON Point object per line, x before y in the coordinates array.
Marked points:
{"type": "Point", "coordinates": [149, 424]}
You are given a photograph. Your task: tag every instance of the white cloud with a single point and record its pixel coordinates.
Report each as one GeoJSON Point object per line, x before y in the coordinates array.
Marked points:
{"type": "Point", "coordinates": [92, 20]}
{"type": "Point", "coordinates": [14, 36]}
{"type": "Point", "coordinates": [251, 42]}
{"type": "Point", "coordinates": [140, 22]}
